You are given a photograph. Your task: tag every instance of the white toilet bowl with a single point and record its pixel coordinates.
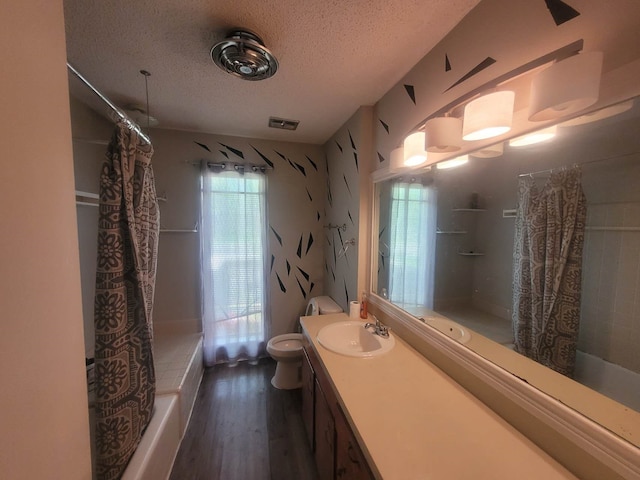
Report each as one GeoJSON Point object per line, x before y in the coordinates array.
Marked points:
{"type": "Point", "coordinates": [287, 351]}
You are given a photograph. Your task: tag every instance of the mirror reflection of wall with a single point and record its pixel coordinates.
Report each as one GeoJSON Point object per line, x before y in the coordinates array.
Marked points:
{"type": "Point", "coordinates": [475, 244]}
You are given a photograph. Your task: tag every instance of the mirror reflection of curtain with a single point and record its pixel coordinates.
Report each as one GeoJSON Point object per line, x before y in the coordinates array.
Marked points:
{"type": "Point", "coordinates": [233, 245]}
{"type": "Point", "coordinates": [128, 231]}
{"type": "Point", "coordinates": [412, 240]}
{"type": "Point", "coordinates": [549, 240]}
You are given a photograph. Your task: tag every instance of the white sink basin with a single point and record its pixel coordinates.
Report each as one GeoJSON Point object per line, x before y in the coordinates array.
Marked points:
{"type": "Point", "coordinates": [450, 328]}
{"type": "Point", "coordinates": [351, 339]}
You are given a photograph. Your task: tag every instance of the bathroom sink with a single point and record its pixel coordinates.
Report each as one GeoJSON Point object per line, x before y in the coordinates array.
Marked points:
{"type": "Point", "coordinates": [350, 338]}
{"type": "Point", "coordinates": [450, 328]}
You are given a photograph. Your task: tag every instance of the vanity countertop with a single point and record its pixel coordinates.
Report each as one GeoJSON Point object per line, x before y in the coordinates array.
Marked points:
{"type": "Point", "coordinates": [415, 422]}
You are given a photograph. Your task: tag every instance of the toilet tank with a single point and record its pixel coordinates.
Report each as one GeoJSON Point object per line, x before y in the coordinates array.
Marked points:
{"type": "Point", "coordinates": [323, 305]}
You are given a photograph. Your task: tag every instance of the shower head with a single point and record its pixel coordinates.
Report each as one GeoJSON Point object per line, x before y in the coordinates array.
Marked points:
{"type": "Point", "coordinates": [244, 55]}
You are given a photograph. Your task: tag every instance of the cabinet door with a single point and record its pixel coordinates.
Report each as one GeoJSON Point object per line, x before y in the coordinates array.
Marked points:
{"type": "Point", "coordinates": [308, 394]}
{"type": "Point", "coordinates": [325, 434]}
{"type": "Point", "coordinates": [350, 461]}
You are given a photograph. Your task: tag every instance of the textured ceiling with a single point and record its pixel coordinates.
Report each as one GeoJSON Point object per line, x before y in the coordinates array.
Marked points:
{"type": "Point", "coordinates": [334, 57]}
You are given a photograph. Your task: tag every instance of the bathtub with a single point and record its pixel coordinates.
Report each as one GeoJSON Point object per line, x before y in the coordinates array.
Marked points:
{"type": "Point", "coordinates": [179, 367]}
{"type": "Point", "coordinates": [610, 379]}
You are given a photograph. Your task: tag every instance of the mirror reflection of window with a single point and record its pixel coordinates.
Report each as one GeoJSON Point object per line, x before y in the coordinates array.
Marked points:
{"type": "Point", "coordinates": [412, 240]}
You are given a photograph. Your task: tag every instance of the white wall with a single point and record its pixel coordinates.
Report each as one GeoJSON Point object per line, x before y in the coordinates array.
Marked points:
{"type": "Point", "coordinates": [349, 160]}
{"type": "Point", "coordinates": [295, 199]}
{"type": "Point", "coordinates": [43, 404]}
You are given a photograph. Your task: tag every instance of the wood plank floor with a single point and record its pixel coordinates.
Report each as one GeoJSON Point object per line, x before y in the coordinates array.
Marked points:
{"type": "Point", "coordinates": [244, 429]}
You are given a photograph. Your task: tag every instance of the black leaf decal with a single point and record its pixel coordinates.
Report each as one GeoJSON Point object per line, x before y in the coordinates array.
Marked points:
{"type": "Point", "coordinates": [266, 160]}
{"type": "Point", "coordinates": [560, 11]}
{"type": "Point", "coordinates": [487, 62]}
{"type": "Point", "coordinates": [278, 237]}
{"type": "Point", "coordinates": [353, 145]}
{"type": "Point", "coordinates": [309, 243]}
{"type": "Point", "coordinates": [447, 64]}
{"type": "Point", "coordinates": [313, 164]}
{"type": "Point", "coordinates": [288, 268]}
{"type": "Point", "coordinates": [339, 146]}
{"type": "Point", "coordinates": [233, 150]}
{"type": "Point", "coordinates": [304, 274]}
{"type": "Point", "coordinates": [203, 146]}
{"type": "Point", "coordinates": [282, 287]}
{"type": "Point", "coordinates": [380, 157]}
{"type": "Point", "coordinates": [411, 92]}
{"type": "Point", "coordinates": [384, 125]}
{"type": "Point", "coordinates": [304, 294]}
{"type": "Point", "coordinates": [299, 251]}
{"type": "Point", "coordinates": [347, 184]}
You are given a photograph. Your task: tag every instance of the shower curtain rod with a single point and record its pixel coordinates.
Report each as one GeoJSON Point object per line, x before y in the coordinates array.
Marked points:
{"type": "Point", "coordinates": [116, 110]}
{"type": "Point", "coordinates": [555, 169]}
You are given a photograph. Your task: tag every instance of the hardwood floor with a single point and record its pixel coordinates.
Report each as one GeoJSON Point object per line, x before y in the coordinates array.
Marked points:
{"type": "Point", "coordinates": [242, 428]}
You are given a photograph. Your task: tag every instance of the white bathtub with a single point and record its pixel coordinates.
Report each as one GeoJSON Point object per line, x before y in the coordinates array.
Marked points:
{"type": "Point", "coordinates": [179, 367]}
{"type": "Point", "coordinates": [609, 379]}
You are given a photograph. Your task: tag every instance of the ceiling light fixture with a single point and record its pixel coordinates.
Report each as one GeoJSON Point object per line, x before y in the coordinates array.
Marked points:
{"type": "Point", "coordinates": [454, 162]}
{"type": "Point", "coordinates": [532, 138]}
{"type": "Point", "coordinates": [244, 55]}
{"type": "Point", "coordinates": [566, 87]}
{"type": "Point", "coordinates": [443, 134]}
{"type": "Point", "coordinates": [413, 148]}
{"type": "Point", "coordinates": [488, 116]}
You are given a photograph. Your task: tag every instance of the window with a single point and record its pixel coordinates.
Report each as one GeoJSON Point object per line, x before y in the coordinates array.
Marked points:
{"type": "Point", "coordinates": [233, 244]}
{"type": "Point", "coordinates": [412, 245]}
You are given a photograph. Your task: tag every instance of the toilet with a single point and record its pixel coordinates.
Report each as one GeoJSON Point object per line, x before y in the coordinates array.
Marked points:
{"type": "Point", "coordinates": [287, 349]}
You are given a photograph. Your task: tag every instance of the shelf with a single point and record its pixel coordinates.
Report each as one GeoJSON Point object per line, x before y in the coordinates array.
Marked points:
{"type": "Point", "coordinates": [469, 210]}
{"type": "Point", "coordinates": [451, 232]}
{"type": "Point", "coordinates": [471, 254]}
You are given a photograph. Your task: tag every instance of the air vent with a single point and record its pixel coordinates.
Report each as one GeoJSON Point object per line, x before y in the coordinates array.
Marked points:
{"type": "Point", "coordinates": [244, 55]}
{"type": "Point", "coordinates": [283, 124]}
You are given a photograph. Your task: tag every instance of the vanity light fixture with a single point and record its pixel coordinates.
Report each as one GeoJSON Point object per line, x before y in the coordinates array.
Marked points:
{"type": "Point", "coordinates": [566, 87]}
{"type": "Point", "coordinates": [600, 114]}
{"type": "Point", "coordinates": [396, 161]}
{"type": "Point", "coordinates": [532, 138]}
{"type": "Point", "coordinates": [443, 134]}
{"type": "Point", "coordinates": [491, 151]}
{"type": "Point", "coordinates": [454, 162]}
{"type": "Point", "coordinates": [413, 148]}
{"type": "Point", "coordinates": [488, 116]}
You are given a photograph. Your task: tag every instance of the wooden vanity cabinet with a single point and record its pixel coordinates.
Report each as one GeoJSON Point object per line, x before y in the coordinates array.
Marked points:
{"type": "Point", "coordinates": [308, 399]}
{"type": "Point", "coordinates": [336, 451]}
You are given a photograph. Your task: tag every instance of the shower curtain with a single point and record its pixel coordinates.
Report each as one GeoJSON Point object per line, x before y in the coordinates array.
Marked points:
{"type": "Point", "coordinates": [548, 269]}
{"type": "Point", "coordinates": [127, 251]}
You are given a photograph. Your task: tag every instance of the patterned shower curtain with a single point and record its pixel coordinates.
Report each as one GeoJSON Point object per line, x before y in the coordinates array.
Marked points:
{"type": "Point", "coordinates": [125, 279]}
{"type": "Point", "coordinates": [548, 269]}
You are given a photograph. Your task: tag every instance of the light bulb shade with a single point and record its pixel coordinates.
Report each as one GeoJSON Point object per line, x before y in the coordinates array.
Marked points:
{"type": "Point", "coordinates": [454, 162]}
{"type": "Point", "coordinates": [396, 161]}
{"type": "Point", "coordinates": [492, 151]}
{"type": "Point", "coordinates": [534, 137]}
{"type": "Point", "coordinates": [414, 152]}
{"type": "Point", "coordinates": [488, 116]}
{"type": "Point", "coordinates": [443, 134]}
{"type": "Point", "coordinates": [566, 87]}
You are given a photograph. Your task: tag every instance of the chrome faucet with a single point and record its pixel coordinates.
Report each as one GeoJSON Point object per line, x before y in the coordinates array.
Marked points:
{"type": "Point", "coordinates": [379, 329]}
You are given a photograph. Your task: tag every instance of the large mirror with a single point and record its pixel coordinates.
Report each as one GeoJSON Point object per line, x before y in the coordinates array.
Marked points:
{"type": "Point", "coordinates": [446, 245]}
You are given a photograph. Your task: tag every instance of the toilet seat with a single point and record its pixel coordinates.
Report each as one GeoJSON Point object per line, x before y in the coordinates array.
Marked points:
{"type": "Point", "coordinates": [288, 345]}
